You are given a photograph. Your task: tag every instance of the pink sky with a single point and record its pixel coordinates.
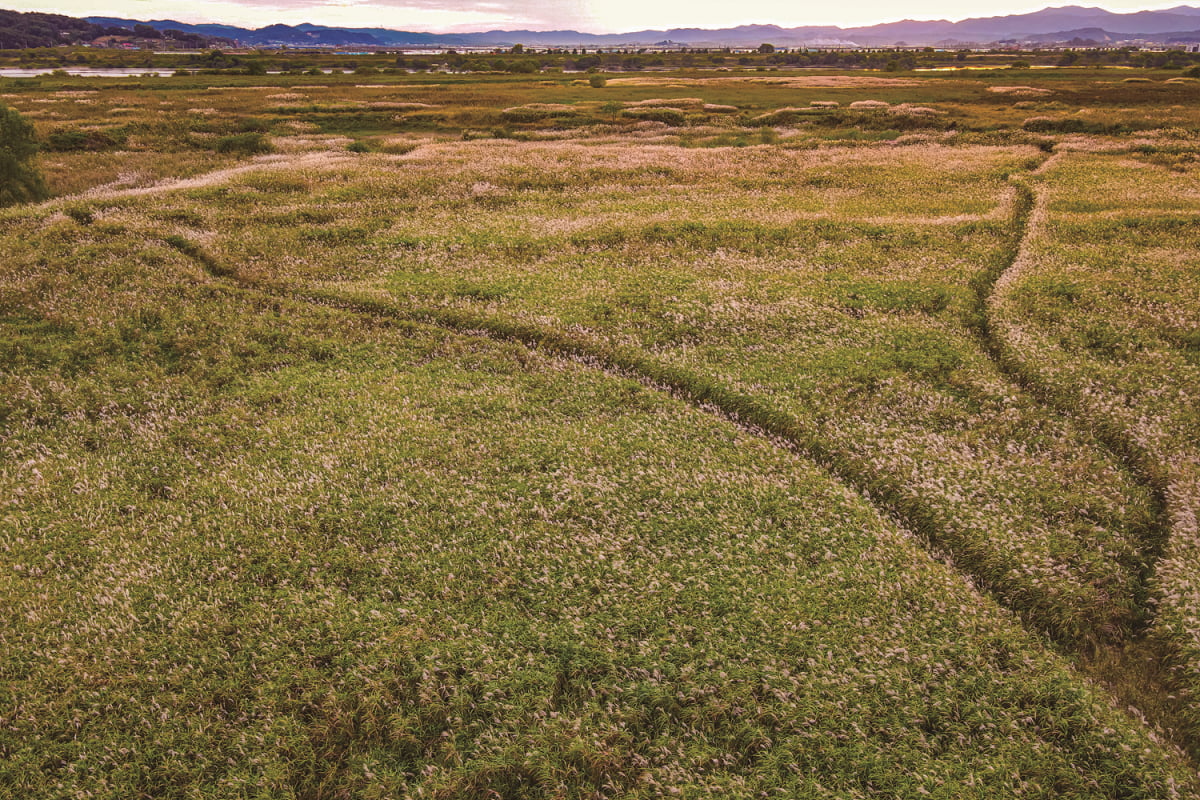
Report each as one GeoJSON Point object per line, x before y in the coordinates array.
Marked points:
{"type": "Point", "coordinates": [594, 16]}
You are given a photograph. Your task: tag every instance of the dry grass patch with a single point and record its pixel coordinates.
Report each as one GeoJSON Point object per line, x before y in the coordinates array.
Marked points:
{"type": "Point", "coordinates": [677, 102]}
{"type": "Point", "coordinates": [1019, 91]}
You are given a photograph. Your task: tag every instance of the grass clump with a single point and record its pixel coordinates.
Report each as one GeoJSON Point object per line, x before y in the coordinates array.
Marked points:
{"type": "Point", "coordinates": [90, 139]}
{"type": "Point", "coordinates": [246, 144]}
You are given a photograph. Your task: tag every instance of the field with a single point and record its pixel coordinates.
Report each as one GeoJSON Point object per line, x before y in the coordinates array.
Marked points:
{"type": "Point", "coordinates": [798, 434]}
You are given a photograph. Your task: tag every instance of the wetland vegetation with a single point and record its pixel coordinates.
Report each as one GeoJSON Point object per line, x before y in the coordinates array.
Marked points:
{"type": "Point", "coordinates": [691, 433]}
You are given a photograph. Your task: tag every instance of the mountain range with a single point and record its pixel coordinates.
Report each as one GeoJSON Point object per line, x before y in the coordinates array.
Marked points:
{"type": "Point", "coordinates": [1175, 25]}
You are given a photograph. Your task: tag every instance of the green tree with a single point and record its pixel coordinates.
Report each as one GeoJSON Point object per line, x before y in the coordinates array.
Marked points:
{"type": "Point", "coordinates": [20, 181]}
{"type": "Point", "coordinates": [766, 48]}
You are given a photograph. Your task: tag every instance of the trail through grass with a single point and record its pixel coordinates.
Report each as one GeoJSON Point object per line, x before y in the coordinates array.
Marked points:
{"type": "Point", "coordinates": [1109, 342]}
{"type": "Point", "coordinates": [574, 469]}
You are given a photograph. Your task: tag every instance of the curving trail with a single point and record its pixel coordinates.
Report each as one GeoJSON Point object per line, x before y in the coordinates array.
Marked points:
{"type": "Point", "coordinates": [269, 163]}
{"type": "Point", "coordinates": [1132, 669]}
{"type": "Point", "coordinates": [1128, 669]}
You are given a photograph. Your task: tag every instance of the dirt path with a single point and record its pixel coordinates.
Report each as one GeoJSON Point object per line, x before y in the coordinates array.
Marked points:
{"type": "Point", "coordinates": [315, 160]}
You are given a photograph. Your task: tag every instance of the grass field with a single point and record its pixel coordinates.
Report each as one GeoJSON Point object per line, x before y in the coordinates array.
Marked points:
{"type": "Point", "coordinates": [511, 437]}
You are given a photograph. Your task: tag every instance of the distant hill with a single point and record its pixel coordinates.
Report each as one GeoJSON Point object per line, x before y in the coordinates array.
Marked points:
{"type": "Point", "coordinates": [20, 30]}
{"type": "Point", "coordinates": [1067, 23]}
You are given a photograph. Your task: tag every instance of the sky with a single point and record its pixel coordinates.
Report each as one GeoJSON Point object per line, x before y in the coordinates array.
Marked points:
{"type": "Point", "coordinates": [592, 16]}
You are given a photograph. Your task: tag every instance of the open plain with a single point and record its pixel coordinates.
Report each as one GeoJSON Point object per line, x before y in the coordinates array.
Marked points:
{"type": "Point", "coordinates": [700, 434]}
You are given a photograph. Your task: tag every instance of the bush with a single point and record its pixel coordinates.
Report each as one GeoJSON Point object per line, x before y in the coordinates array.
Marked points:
{"type": "Point", "coordinates": [20, 181]}
{"type": "Point", "coordinates": [250, 143]}
{"type": "Point", "coordinates": [597, 81]}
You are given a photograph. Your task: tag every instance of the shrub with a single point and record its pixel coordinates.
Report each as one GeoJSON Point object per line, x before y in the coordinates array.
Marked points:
{"type": "Point", "coordinates": [249, 143]}
{"type": "Point", "coordinates": [597, 81]}
{"type": "Point", "coordinates": [20, 181]}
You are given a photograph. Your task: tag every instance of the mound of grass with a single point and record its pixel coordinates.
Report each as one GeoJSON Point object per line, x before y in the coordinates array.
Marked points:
{"type": "Point", "coordinates": [65, 139]}
{"type": "Point", "coordinates": [247, 144]}
{"type": "Point", "coordinates": [670, 116]}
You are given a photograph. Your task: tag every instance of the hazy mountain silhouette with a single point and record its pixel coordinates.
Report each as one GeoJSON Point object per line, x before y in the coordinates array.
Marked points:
{"type": "Point", "coordinates": [1050, 24]}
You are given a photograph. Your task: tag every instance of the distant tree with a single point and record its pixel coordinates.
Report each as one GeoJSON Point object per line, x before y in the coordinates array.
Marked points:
{"type": "Point", "coordinates": [145, 32]}
{"type": "Point", "coordinates": [597, 81]}
{"type": "Point", "coordinates": [20, 181]}
{"type": "Point", "coordinates": [517, 49]}
{"type": "Point", "coordinates": [766, 48]}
